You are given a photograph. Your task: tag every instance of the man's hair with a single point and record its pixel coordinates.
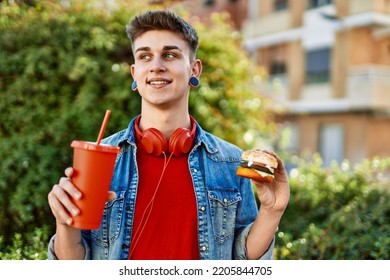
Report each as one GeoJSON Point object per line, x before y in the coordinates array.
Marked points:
{"type": "Point", "coordinates": [163, 20]}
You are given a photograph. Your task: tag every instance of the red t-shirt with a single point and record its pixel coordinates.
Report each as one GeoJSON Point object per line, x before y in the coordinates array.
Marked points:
{"type": "Point", "coordinates": [169, 230]}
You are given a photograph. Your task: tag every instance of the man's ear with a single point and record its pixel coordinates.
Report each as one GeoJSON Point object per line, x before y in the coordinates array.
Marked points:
{"type": "Point", "coordinates": [197, 68]}
{"type": "Point", "coordinates": [132, 70]}
{"type": "Point", "coordinates": [134, 86]}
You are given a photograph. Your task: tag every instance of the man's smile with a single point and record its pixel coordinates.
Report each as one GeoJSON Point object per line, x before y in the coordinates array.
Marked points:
{"type": "Point", "coordinates": [158, 82]}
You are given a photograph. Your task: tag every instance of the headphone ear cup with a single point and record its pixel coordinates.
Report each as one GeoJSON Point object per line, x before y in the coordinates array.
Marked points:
{"type": "Point", "coordinates": [154, 142]}
{"type": "Point", "coordinates": [180, 142]}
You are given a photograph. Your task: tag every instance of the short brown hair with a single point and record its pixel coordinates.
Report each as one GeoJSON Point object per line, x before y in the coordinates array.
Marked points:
{"type": "Point", "coordinates": [163, 20]}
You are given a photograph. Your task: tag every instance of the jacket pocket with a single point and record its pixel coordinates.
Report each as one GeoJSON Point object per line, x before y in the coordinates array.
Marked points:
{"type": "Point", "coordinates": [111, 222]}
{"type": "Point", "coordinates": [223, 206]}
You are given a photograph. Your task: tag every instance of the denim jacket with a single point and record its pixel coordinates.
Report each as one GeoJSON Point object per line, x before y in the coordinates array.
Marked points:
{"type": "Point", "coordinates": [226, 204]}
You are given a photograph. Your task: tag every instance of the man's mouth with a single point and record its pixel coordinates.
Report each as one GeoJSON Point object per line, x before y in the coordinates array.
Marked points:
{"type": "Point", "coordinates": [158, 82]}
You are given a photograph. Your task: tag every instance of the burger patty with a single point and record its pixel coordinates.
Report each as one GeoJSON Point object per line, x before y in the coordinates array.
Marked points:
{"type": "Point", "coordinates": [256, 166]}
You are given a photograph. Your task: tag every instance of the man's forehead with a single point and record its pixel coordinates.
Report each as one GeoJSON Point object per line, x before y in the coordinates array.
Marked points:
{"type": "Point", "coordinates": [164, 48]}
{"type": "Point", "coordinates": [159, 40]}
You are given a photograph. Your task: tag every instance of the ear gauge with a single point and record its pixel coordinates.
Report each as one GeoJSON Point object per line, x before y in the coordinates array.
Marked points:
{"type": "Point", "coordinates": [194, 82]}
{"type": "Point", "coordinates": [134, 86]}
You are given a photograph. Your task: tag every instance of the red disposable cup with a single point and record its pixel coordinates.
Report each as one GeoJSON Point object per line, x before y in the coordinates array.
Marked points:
{"type": "Point", "coordinates": [93, 166]}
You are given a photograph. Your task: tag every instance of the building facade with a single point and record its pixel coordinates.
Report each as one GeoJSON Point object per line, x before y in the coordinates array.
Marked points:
{"type": "Point", "coordinates": [329, 72]}
{"type": "Point", "coordinates": [236, 9]}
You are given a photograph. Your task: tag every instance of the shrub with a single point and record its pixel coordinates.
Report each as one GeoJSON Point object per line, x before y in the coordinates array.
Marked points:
{"type": "Point", "coordinates": [26, 246]}
{"type": "Point", "coordinates": [337, 213]}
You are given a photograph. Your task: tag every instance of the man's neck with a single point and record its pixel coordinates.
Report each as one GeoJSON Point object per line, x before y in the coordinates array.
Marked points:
{"type": "Point", "coordinates": [165, 121]}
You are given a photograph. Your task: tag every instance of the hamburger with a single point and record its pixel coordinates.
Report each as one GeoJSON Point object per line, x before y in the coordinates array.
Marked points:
{"type": "Point", "coordinates": [257, 165]}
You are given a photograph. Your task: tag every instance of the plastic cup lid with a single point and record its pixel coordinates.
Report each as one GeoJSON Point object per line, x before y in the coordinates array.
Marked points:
{"type": "Point", "coordinates": [92, 146]}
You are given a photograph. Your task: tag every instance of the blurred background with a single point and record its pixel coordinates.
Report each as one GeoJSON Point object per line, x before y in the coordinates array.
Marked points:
{"type": "Point", "coordinates": [309, 79]}
{"type": "Point", "coordinates": [328, 70]}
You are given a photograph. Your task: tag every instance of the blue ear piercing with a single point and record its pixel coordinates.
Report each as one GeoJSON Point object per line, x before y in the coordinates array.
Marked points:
{"type": "Point", "coordinates": [194, 81]}
{"type": "Point", "coordinates": [134, 86]}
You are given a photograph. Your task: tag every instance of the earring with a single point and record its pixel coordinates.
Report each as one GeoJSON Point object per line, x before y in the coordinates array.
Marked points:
{"type": "Point", "coordinates": [194, 82]}
{"type": "Point", "coordinates": [134, 86]}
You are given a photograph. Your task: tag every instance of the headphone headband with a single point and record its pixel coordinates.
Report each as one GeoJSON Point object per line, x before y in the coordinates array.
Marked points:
{"type": "Point", "coordinates": [154, 142]}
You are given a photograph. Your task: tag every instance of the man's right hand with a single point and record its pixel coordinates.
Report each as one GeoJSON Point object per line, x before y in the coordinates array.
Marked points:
{"type": "Point", "coordinates": [68, 242]}
{"type": "Point", "coordinates": [60, 201]}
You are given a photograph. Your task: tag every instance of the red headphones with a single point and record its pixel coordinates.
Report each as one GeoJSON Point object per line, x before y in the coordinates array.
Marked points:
{"type": "Point", "coordinates": [154, 142]}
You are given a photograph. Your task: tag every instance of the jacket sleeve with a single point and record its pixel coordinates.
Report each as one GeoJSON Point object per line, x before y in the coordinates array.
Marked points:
{"type": "Point", "coordinates": [246, 215]}
{"type": "Point", "coordinates": [52, 255]}
{"type": "Point", "coordinates": [239, 249]}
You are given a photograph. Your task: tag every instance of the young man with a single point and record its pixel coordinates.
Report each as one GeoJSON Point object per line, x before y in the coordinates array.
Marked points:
{"type": "Point", "coordinates": [174, 193]}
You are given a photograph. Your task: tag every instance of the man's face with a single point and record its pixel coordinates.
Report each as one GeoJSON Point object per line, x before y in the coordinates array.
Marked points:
{"type": "Point", "coordinates": [162, 68]}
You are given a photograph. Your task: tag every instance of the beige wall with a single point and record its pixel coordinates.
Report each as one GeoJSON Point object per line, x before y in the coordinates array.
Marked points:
{"type": "Point", "coordinates": [382, 6]}
{"type": "Point", "coordinates": [339, 65]}
{"type": "Point", "coordinates": [358, 6]}
{"type": "Point", "coordinates": [342, 8]}
{"type": "Point", "coordinates": [296, 69]}
{"type": "Point", "coordinates": [297, 9]}
{"type": "Point", "coordinates": [378, 135]}
{"type": "Point", "coordinates": [347, 7]}
{"type": "Point", "coordinates": [265, 8]}
{"type": "Point", "coordinates": [362, 47]}
{"type": "Point", "coordinates": [365, 137]}
{"type": "Point", "coordinates": [382, 51]}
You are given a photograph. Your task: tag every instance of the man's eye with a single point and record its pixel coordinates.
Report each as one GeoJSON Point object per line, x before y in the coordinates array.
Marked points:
{"type": "Point", "coordinates": [169, 55]}
{"type": "Point", "coordinates": [144, 57]}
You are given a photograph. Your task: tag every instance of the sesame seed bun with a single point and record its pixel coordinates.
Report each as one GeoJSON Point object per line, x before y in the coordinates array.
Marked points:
{"type": "Point", "coordinates": [257, 165]}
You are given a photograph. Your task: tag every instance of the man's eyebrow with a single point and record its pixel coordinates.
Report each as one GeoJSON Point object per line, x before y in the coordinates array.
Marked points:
{"type": "Point", "coordinates": [167, 48]}
{"type": "Point", "coordinates": [142, 49]}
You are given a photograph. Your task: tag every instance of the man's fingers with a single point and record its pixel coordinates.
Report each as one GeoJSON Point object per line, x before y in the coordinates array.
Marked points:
{"type": "Point", "coordinates": [67, 185]}
{"type": "Point", "coordinates": [281, 169]}
{"type": "Point", "coordinates": [61, 205]}
{"type": "Point", "coordinates": [69, 172]}
{"type": "Point", "coordinates": [111, 196]}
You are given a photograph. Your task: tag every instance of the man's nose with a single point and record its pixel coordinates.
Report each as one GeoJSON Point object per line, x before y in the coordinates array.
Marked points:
{"type": "Point", "coordinates": [158, 65]}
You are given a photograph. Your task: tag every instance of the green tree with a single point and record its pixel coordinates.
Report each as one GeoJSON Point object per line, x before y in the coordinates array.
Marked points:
{"type": "Point", "coordinates": [63, 63]}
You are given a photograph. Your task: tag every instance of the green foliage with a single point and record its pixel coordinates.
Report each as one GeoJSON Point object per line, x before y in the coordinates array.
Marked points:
{"type": "Point", "coordinates": [337, 213]}
{"type": "Point", "coordinates": [60, 68]}
{"type": "Point", "coordinates": [63, 65]}
{"type": "Point", "coordinates": [27, 246]}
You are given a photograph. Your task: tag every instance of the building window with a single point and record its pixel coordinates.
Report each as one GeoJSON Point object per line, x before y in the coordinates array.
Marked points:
{"type": "Point", "coordinates": [331, 144]}
{"type": "Point", "coordinates": [280, 5]}
{"type": "Point", "coordinates": [277, 67]}
{"type": "Point", "coordinates": [318, 66]}
{"type": "Point", "coordinates": [208, 3]}
{"type": "Point", "coordinates": [312, 4]}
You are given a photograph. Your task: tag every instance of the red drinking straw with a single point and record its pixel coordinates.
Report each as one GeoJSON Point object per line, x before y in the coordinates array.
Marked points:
{"type": "Point", "coordinates": [103, 127]}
